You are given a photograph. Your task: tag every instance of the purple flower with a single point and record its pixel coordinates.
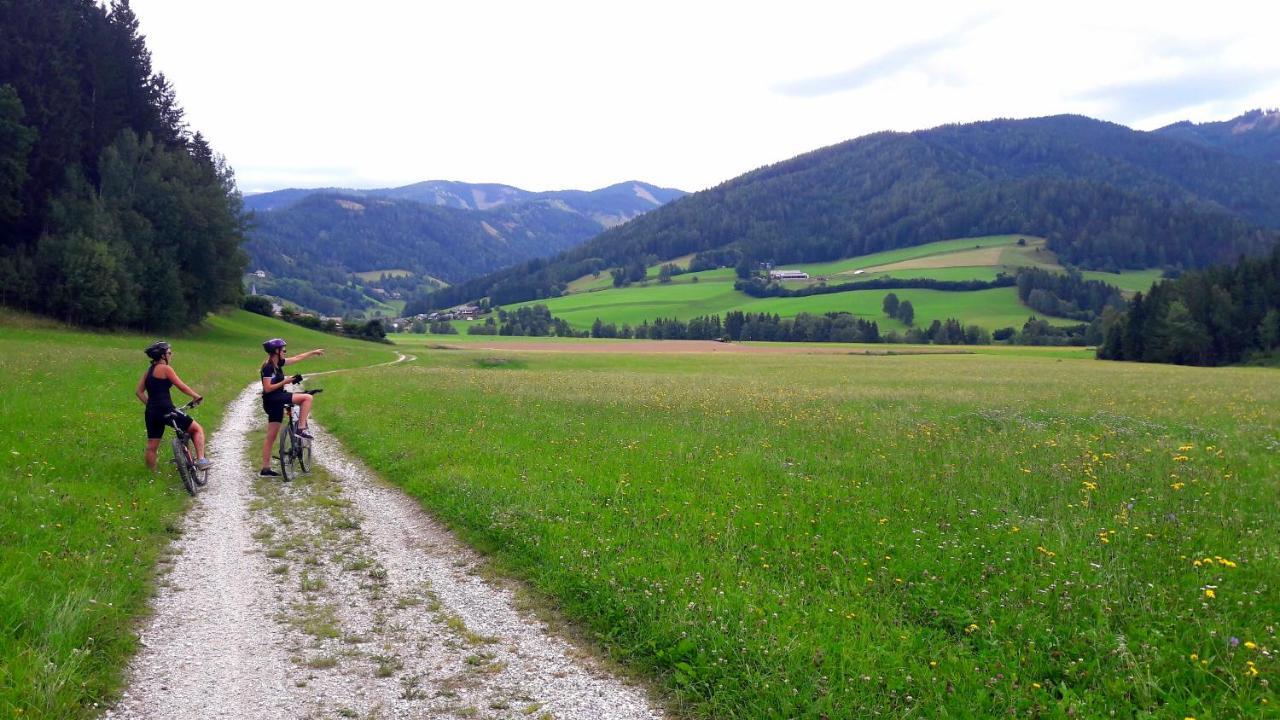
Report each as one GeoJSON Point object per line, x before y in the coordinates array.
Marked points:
{"type": "Point", "coordinates": [1233, 641]}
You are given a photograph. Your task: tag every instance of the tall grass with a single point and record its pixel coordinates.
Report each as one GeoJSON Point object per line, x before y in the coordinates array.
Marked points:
{"type": "Point", "coordinates": [807, 536]}
{"type": "Point", "coordinates": [82, 523]}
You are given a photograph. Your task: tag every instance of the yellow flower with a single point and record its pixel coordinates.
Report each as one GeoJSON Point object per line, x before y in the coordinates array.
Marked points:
{"type": "Point", "coordinates": [1178, 485]}
{"type": "Point", "coordinates": [1194, 657]}
{"type": "Point", "coordinates": [1209, 593]}
{"type": "Point", "coordinates": [971, 629]}
{"type": "Point", "coordinates": [1250, 645]}
{"type": "Point", "coordinates": [1036, 685]}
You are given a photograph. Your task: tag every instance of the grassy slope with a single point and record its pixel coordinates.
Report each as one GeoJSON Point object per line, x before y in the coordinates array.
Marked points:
{"type": "Point", "coordinates": [591, 297]}
{"type": "Point", "coordinates": [809, 536]}
{"type": "Point", "coordinates": [82, 524]}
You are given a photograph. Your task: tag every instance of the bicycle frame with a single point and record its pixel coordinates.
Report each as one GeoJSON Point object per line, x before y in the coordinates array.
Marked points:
{"type": "Point", "coordinates": [183, 459]}
{"type": "Point", "coordinates": [293, 447]}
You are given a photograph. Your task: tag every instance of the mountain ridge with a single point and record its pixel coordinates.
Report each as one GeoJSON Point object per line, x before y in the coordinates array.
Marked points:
{"type": "Point", "coordinates": [1106, 197]}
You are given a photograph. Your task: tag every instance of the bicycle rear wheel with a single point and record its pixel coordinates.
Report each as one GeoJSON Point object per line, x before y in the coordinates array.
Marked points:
{"type": "Point", "coordinates": [288, 453]}
{"type": "Point", "coordinates": [186, 468]}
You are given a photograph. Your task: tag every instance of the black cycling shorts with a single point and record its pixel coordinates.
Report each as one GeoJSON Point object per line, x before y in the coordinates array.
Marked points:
{"type": "Point", "coordinates": [156, 422]}
{"type": "Point", "coordinates": [275, 407]}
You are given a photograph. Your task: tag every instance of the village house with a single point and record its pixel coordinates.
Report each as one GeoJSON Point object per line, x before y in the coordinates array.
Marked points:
{"type": "Point", "coordinates": [788, 275]}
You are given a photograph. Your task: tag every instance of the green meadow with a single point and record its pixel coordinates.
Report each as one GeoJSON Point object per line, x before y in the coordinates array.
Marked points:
{"type": "Point", "coordinates": [994, 308]}
{"type": "Point", "coordinates": [83, 525]}
{"type": "Point", "coordinates": [848, 536]}
{"type": "Point", "coordinates": [1013, 531]}
{"type": "Point", "coordinates": [711, 291]}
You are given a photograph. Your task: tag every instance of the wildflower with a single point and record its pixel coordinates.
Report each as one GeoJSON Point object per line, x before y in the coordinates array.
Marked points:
{"type": "Point", "coordinates": [971, 629]}
{"type": "Point", "coordinates": [1045, 552]}
{"type": "Point", "coordinates": [1178, 485]}
{"type": "Point", "coordinates": [1250, 669]}
{"type": "Point", "coordinates": [1194, 657]}
{"type": "Point", "coordinates": [1209, 593]}
{"type": "Point", "coordinates": [1037, 686]}
{"type": "Point", "coordinates": [1233, 641]}
{"type": "Point", "coordinates": [1250, 645]}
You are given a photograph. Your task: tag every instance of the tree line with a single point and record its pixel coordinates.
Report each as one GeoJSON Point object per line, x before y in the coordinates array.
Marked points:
{"type": "Point", "coordinates": [759, 287]}
{"type": "Point", "coordinates": [1217, 316]}
{"type": "Point", "coordinates": [112, 212]}
{"type": "Point", "coordinates": [1066, 295]}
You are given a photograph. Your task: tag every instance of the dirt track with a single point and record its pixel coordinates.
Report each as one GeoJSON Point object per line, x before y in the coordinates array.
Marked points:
{"type": "Point", "coordinates": [336, 596]}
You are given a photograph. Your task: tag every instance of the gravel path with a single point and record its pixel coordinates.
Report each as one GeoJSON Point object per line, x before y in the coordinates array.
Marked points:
{"type": "Point", "coordinates": [335, 596]}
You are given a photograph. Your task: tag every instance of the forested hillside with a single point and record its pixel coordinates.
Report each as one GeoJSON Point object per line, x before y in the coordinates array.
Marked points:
{"type": "Point", "coordinates": [332, 234]}
{"type": "Point", "coordinates": [311, 242]}
{"type": "Point", "coordinates": [112, 213]}
{"type": "Point", "coordinates": [1255, 134]}
{"type": "Point", "coordinates": [1105, 196]}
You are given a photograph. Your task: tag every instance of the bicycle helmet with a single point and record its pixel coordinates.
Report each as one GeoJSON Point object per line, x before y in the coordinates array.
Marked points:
{"type": "Point", "coordinates": [157, 349]}
{"type": "Point", "coordinates": [273, 345]}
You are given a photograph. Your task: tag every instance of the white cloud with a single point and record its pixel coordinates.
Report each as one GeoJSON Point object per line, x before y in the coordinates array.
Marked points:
{"type": "Point", "coordinates": [576, 94]}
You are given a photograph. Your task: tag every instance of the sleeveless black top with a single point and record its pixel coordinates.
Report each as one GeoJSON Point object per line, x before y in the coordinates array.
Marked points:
{"type": "Point", "coordinates": [158, 391]}
{"type": "Point", "coordinates": [276, 374]}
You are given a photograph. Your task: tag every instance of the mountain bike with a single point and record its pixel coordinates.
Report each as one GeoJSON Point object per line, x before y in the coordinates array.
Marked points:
{"type": "Point", "coordinates": [295, 450]}
{"type": "Point", "coordinates": [184, 457]}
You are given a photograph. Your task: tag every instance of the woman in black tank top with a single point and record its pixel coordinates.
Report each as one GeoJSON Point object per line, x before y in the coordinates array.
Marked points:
{"type": "Point", "coordinates": [275, 397]}
{"type": "Point", "coordinates": [153, 391]}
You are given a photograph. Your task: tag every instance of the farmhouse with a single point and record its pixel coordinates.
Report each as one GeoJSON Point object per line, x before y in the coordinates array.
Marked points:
{"type": "Point", "coordinates": [788, 275]}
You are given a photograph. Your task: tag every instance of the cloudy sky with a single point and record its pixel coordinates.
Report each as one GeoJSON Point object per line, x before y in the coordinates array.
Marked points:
{"type": "Point", "coordinates": [552, 94]}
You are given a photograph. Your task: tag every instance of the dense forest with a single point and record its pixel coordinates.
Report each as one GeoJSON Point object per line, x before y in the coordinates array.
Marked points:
{"type": "Point", "coordinates": [1105, 196]}
{"type": "Point", "coordinates": [112, 213]}
{"type": "Point", "coordinates": [1217, 316]}
{"type": "Point", "coordinates": [1255, 134]}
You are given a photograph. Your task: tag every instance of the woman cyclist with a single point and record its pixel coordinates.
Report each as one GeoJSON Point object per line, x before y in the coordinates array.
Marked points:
{"type": "Point", "coordinates": [153, 391]}
{"type": "Point", "coordinates": [274, 397]}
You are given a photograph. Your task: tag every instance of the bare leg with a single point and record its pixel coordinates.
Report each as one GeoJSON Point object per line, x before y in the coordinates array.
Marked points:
{"type": "Point", "coordinates": [303, 401]}
{"type": "Point", "coordinates": [273, 429]}
{"type": "Point", "coordinates": [197, 436]}
{"type": "Point", "coordinates": [151, 453]}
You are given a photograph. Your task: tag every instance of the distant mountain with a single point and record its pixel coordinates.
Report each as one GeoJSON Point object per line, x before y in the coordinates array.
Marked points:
{"type": "Point", "coordinates": [1105, 196]}
{"type": "Point", "coordinates": [609, 206]}
{"type": "Point", "coordinates": [1255, 134]}
{"type": "Point", "coordinates": [310, 242]}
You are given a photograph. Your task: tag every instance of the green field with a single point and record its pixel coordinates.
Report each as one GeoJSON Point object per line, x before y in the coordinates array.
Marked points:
{"type": "Point", "coordinates": [978, 258]}
{"type": "Point", "coordinates": [82, 523]}
{"type": "Point", "coordinates": [1014, 531]}
{"type": "Point", "coordinates": [843, 536]}
{"type": "Point", "coordinates": [995, 308]}
{"type": "Point", "coordinates": [371, 275]}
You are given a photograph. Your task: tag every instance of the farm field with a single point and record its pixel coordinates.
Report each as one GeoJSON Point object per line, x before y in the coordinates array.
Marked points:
{"type": "Point", "coordinates": [82, 523]}
{"type": "Point", "coordinates": [994, 308]}
{"type": "Point", "coordinates": [845, 536]}
{"type": "Point", "coordinates": [978, 258]}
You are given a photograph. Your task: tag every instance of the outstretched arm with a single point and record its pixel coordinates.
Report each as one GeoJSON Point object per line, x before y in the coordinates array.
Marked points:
{"type": "Point", "coordinates": [303, 356]}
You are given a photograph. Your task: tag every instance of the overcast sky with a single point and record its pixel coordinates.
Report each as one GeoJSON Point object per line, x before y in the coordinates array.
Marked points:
{"type": "Point", "coordinates": [556, 95]}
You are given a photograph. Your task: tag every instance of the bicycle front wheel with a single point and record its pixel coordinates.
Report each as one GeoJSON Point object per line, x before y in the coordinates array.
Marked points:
{"type": "Point", "coordinates": [304, 454]}
{"type": "Point", "coordinates": [288, 453]}
{"type": "Point", "coordinates": [186, 468]}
